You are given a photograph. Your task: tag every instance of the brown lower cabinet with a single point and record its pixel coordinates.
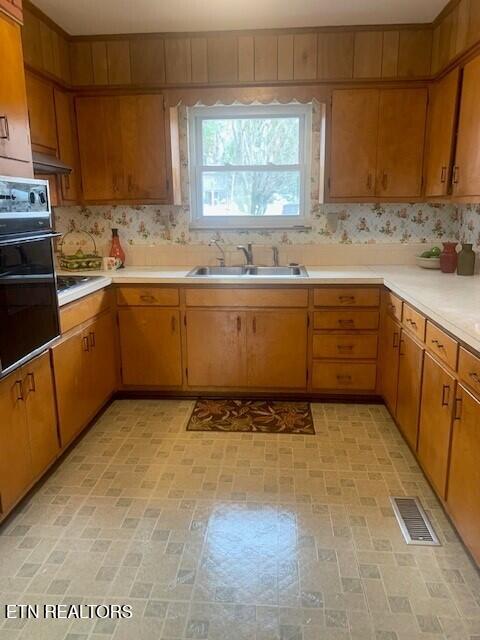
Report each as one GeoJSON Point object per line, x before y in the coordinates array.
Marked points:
{"type": "Point", "coordinates": [409, 387]}
{"type": "Point", "coordinates": [256, 349]}
{"type": "Point", "coordinates": [150, 345]}
{"type": "Point", "coordinates": [28, 429]}
{"type": "Point", "coordinates": [438, 399]}
{"type": "Point", "coordinates": [390, 344]}
{"type": "Point", "coordinates": [85, 369]}
{"type": "Point", "coordinates": [463, 495]}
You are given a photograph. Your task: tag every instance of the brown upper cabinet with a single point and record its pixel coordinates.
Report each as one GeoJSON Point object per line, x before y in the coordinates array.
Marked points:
{"type": "Point", "coordinates": [14, 129]}
{"type": "Point", "coordinates": [67, 145]}
{"type": "Point", "coordinates": [377, 143]}
{"type": "Point", "coordinates": [466, 172]}
{"type": "Point", "coordinates": [441, 132]}
{"type": "Point", "coordinates": [41, 110]}
{"type": "Point", "coordinates": [123, 148]}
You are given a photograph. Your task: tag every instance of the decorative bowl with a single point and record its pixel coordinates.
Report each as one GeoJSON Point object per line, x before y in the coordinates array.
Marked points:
{"type": "Point", "coordinates": [428, 263]}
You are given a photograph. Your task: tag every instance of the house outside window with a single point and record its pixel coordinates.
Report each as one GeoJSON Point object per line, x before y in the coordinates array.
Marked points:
{"type": "Point", "coordinates": [250, 166]}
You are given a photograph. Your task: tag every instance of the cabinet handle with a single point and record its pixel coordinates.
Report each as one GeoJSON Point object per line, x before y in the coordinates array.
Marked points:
{"type": "Point", "coordinates": [402, 341]}
{"type": "Point", "coordinates": [474, 376]}
{"type": "Point", "coordinates": [346, 298]}
{"type": "Point", "coordinates": [385, 180]}
{"type": "Point", "coordinates": [31, 380]}
{"type": "Point", "coordinates": [445, 402]}
{"type": "Point", "coordinates": [349, 322]}
{"type": "Point", "coordinates": [443, 176]}
{"type": "Point", "coordinates": [436, 342]}
{"type": "Point", "coordinates": [147, 298]}
{"type": "Point", "coordinates": [67, 181]}
{"type": "Point", "coordinates": [92, 339]}
{"type": "Point", "coordinates": [173, 324]}
{"type": "Point", "coordinates": [19, 385]}
{"type": "Point", "coordinates": [254, 324]}
{"type": "Point", "coordinates": [344, 347]}
{"type": "Point", "coordinates": [456, 171]}
{"type": "Point", "coordinates": [458, 409]}
{"type": "Point", "coordinates": [4, 130]}
{"type": "Point", "coordinates": [396, 342]}
{"type": "Point", "coordinates": [344, 377]}
{"type": "Point", "coordinates": [239, 324]}
{"type": "Point", "coordinates": [86, 346]}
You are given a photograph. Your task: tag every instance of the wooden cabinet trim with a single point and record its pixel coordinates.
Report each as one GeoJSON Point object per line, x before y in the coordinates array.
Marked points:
{"type": "Point", "coordinates": [241, 297]}
{"type": "Point", "coordinates": [414, 321]}
{"type": "Point", "coordinates": [84, 309]}
{"type": "Point", "coordinates": [138, 295]}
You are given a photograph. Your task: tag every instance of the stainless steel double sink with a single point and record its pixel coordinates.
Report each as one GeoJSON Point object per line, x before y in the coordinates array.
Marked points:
{"type": "Point", "coordinates": [248, 270]}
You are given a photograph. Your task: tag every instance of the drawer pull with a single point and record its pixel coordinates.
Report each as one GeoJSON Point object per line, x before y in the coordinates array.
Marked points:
{"type": "Point", "coordinates": [345, 347]}
{"type": "Point", "coordinates": [474, 376]}
{"type": "Point", "coordinates": [344, 377]}
{"type": "Point", "coordinates": [445, 401]}
{"type": "Point", "coordinates": [346, 298]}
{"type": "Point", "coordinates": [458, 409]}
{"type": "Point", "coordinates": [349, 322]}
{"type": "Point", "coordinates": [412, 322]}
{"type": "Point", "coordinates": [437, 343]}
{"type": "Point", "coordinates": [147, 298]}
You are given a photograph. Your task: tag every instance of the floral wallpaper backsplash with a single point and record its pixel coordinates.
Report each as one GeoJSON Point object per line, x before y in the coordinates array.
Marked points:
{"type": "Point", "coordinates": [331, 223]}
{"type": "Point", "coordinates": [469, 215]}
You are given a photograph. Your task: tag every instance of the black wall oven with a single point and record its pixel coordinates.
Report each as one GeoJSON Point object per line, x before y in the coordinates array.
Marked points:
{"type": "Point", "coordinates": [28, 297]}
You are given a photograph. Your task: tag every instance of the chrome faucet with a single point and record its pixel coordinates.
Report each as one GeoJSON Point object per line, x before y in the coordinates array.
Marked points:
{"type": "Point", "coordinates": [275, 256]}
{"type": "Point", "coordinates": [248, 252]}
{"type": "Point", "coordinates": [221, 258]}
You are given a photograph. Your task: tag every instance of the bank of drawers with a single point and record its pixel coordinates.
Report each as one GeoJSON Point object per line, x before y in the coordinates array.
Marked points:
{"type": "Point", "coordinates": [345, 339]}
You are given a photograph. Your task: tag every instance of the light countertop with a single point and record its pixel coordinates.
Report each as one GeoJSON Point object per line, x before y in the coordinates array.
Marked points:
{"type": "Point", "coordinates": [450, 300]}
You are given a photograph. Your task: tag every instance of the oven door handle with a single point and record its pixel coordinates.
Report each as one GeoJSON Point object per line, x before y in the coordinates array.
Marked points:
{"type": "Point", "coordinates": [44, 236]}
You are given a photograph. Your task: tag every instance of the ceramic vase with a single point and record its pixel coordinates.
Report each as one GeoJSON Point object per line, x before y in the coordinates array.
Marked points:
{"type": "Point", "coordinates": [466, 260]}
{"type": "Point", "coordinates": [448, 257]}
{"type": "Point", "coordinates": [116, 250]}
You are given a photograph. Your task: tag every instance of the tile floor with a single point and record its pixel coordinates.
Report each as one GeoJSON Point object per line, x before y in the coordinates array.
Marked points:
{"type": "Point", "coordinates": [238, 537]}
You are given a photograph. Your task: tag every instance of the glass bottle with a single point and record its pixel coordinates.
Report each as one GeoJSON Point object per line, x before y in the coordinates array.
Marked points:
{"type": "Point", "coordinates": [116, 250]}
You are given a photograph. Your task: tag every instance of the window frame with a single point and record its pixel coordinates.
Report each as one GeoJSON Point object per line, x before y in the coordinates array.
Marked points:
{"type": "Point", "coordinates": [197, 114]}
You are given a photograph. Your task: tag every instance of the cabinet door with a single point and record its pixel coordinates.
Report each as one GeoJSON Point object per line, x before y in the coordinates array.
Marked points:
{"type": "Point", "coordinates": [41, 110]}
{"type": "Point", "coordinates": [277, 348]}
{"type": "Point", "coordinates": [401, 136]}
{"type": "Point", "coordinates": [463, 497]}
{"type": "Point", "coordinates": [144, 147]}
{"type": "Point", "coordinates": [353, 145]}
{"type": "Point", "coordinates": [100, 147]}
{"type": "Point", "coordinates": [390, 340]}
{"type": "Point", "coordinates": [41, 416]}
{"type": "Point", "coordinates": [67, 146]}
{"type": "Point", "coordinates": [409, 387]}
{"type": "Point", "coordinates": [71, 372]}
{"type": "Point", "coordinates": [466, 174]}
{"type": "Point", "coordinates": [150, 346]}
{"type": "Point", "coordinates": [438, 395]}
{"type": "Point", "coordinates": [14, 129]}
{"type": "Point", "coordinates": [216, 348]}
{"type": "Point", "coordinates": [15, 464]}
{"type": "Point", "coordinates": [103, 361]}
{"type": "Point", "coordinates": [441, 125]}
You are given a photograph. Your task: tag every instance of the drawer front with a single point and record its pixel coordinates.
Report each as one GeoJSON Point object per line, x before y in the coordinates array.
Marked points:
{"type": "Point", "coordinates": [241, 297]}
{"type": "Point", "coordinates": [469, 369]}
{"type": "Point", "coordinates": [147, 296]}
{"type": "Point", "coordinates": [363, 346]}
{"type": "Point", "coordinates": [346, 297]}
{"type": "Point", "coordinates": [348, 376]}
{"type": "Point", "coordinates": [442, 345]}
{"type": "Point", "coordinates": [347, 320]}
{"type": "Point", "coordinates": [75, 313]}
{"type": "Point", "coordinates": [393, 305]}
{"type": "Point", "coordinates": [414, 321]}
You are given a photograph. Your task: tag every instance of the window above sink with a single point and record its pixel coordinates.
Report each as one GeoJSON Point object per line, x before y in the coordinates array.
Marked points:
{"type": "Point", "coordinates": [249, 166]}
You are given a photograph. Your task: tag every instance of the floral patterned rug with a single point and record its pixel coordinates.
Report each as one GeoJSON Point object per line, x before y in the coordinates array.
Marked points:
{"type": "Point", "coordinates": [261, 416]}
